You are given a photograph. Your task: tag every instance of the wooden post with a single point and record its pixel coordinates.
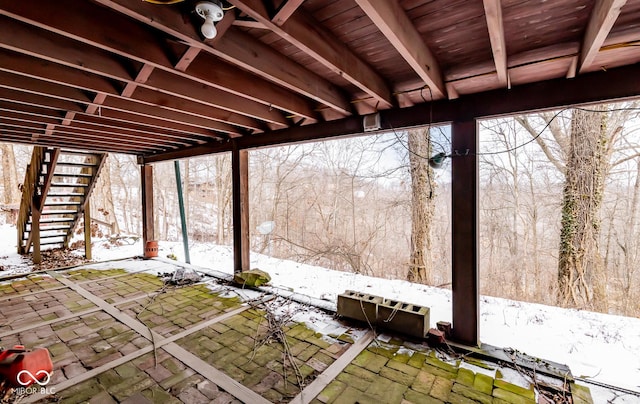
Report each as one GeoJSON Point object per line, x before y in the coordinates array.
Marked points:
{"type": "Point", "coordinates": [87, 231]}
{"type": "Point", "coordinates": [35, 233]}
{"type": "Point", "coordinates": [464, 236]}
{"type": "Point", "coordinates": [148, 231]}
{"type": "Point", "coordinates": [240, 179]}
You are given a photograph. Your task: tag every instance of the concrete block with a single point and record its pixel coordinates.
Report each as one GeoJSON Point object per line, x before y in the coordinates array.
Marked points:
{"type": "Point", "coordinates": [358, 306]}
{"type": "Point", "coordinates": [409, 319]}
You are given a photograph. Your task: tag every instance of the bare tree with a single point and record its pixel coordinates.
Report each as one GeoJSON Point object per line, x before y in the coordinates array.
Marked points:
{"type": "Point", "coordinates": [10, 182]}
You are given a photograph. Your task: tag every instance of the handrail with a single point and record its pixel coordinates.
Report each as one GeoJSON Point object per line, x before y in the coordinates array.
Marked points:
{"type": "Point", "coordinates": [100, 159]}
{"type": "Point", "coordinates": [29, 186]}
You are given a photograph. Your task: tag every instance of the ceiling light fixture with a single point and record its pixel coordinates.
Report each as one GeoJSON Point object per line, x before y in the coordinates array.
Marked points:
{"type": "Point", "coordinates": [211, 12]}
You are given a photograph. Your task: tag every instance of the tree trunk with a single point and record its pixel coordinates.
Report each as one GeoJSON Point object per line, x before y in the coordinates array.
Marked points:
{"type": "Point", "coordinates": [10, 182]}
{"type": "Point", "coordinates": [422, 207]}
{"type": "Point", "coordinates": [102, 205]}
{"type": "Point", "coordinates": [223, 195]}
{"type": "Point", "coordinates": [581, 274]}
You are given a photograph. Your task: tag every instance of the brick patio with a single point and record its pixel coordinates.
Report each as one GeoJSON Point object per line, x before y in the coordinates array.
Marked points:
{"type": "Point", "coordinates": [118, 335]}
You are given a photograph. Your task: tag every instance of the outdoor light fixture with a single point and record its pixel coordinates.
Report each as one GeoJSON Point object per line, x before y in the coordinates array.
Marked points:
{"type": "Point", "coordinates": [212, 12]}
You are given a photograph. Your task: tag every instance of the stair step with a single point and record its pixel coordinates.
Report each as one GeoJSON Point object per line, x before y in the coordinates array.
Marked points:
{"type": "Point", "coordinates": [58, 212]}
{"type": "Point", "coordinates": [51, 242]}
{"type": "Point", "coordinates": [63, 184]}
{"type": "Point", "coordinates": [77, 152]}
{"type": "Point", "coordinates": [58, 220]}
{"type": "Point", "coordinates": [73, 175]}
{"type": "Point", "coordinates": [55, 235]}
{"type": "Point", "coordinates": [44, 234]}
{"type": "Point", "coordinates": [53, 228]}
{"type": "Point", "coordinates": [66, 195]}
{"type": "Point", "coordinates": [70, 164]}
{"type": "Point", "coordinates": [68, 203]}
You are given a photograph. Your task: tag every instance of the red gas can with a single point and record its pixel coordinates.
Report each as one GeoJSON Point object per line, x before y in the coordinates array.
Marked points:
{"type": "Point", "coordinates": [22, 367]}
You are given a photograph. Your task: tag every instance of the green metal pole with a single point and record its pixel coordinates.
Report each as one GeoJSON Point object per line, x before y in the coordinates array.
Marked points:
{"type": "Point", "coordinates": [185, 237]}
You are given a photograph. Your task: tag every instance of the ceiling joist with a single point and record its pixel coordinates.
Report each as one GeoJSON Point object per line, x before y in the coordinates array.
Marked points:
{"type": "Point", "coordinates": [308, 36]}
{"type": "Point", "coordinates": [393, 22]}
{"type": "Point", "coordinates": [493, 12]}
{"type": "Point", "coordinates": [604, 15]}
{"type": "Point", "coordinates": [251, 56]}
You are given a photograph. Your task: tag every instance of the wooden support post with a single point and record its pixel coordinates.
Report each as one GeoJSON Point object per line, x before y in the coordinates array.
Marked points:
{"type": "Point", "coordinates": [240, 179]}
{"type": "Point", "coordinates": [35, 233]}
{"type": "Point", "coordinates": [464, 237]}
{"type": "Point", "coordinates": [148, 231]}
{"type": "Point", "coordinates": [87, 231]}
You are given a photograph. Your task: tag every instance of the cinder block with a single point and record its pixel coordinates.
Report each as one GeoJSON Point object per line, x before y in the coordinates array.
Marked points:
{"type": "Point", "coordinates": [358, 306]}
{"type": "Point", "coordinates": [406, 318]}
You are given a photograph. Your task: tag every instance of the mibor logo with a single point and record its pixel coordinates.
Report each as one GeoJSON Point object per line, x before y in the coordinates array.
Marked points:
{"type": "Point", "coordinates": [26, 378]}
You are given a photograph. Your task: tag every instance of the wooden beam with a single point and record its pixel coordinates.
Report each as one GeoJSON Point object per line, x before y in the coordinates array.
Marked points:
{"type": "Point", "coordinates": [87, 231]}
{"type": "Point", "coordinates": [493, 13]}
{"type": "Point", "coordinates": [171, 22]}
{"type": "Point", "coordinates": [146, 48]}
{"type": "Point", "coordinates": [393, 22]}
{"type": "Point", "coordinates": [199, 86]}
{"type": "Point", "coordinates": [241, 49]}
{"type": "Point", "coordinates": [148, 231]}
{"type": "Point", "coordinates": [35, 234]}
{"type": "Point", "coordinates": [464, 232]}
{"type": "Point", "coordinates": [597, 87]}
{"type": "Point", "coordinates": [240, 185]}
{"type": "Point", "coordinates": [98, 133]}
{"type": "Point", "coordinates": [13, 100]}
{"type": "Point", "coordinates": [310, 37]}
{"type": "Point", "coordinates": [187, 57]}
{"type": "Point", "coordinates": [26, 138]}
{"type": "Point", "coordinates": [285, 11]}
{"type": "Point", "coordinates": [92, 124]}
{"type": "Point", "coordinates": [604, 15]}
{"type": "Point", "coordinates": [161, 108]}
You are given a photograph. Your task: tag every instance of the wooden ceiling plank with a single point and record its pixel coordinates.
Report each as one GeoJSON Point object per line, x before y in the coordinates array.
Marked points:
{"type": "Point", "coordinates": [25, 137]}
{"type": "Point", "coordinates": [310, 37]}
{"type": "Point", "coordinates": [241, 94]}
{"type": "Point", "coordinates": [170, 112]}
{"type": "Point", "coordinates": [286, 10]}
{"type": "Point", "coordinates": [22, 100]}
{"type": "Point", "coordinates": [493, 13]}
{"type": "Point", "coordinates": [172, 23]}
{"type": "Point", "coordinates": [604, 15]}
{"type": "Point", "coordinates": [29, 66]}
{"type": "Point", "coordinates": [244, 51]}
{"type": "Point", "coordinates": [230, 121]}
{"type": "Point", "coordinates": [79, 21]}
{"type": "Point", "coordinates": [31, 114]}
{"type": "Point", "coordinates": [102, 130]}
{"type": "Point", "coordinates": [165, 114]}
{"type": "Point", "coordinates": [396, 26]}
{"type": "Point", "coordinates": [64, 52]}
{"type": "Point", "coordinates": [36, 42]}
{"type": "Point", "coordinates": [84, 137]}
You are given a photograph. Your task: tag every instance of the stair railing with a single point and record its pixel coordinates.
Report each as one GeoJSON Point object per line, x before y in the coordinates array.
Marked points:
{"type": "Point", "coordinates": [34, 191]}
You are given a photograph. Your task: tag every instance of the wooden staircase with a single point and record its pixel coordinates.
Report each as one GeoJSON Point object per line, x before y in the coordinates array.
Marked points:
{"type": "Point", "coordinates": [55, 194]}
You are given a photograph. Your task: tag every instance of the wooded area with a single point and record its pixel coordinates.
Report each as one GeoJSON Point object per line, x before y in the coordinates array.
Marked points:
{"type": "Point", "coordinates": [558, 205]}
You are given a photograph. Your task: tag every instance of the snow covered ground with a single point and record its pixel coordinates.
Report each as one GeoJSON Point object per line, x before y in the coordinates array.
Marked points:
{"type": "Point", "coordinates": [598, 347]}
